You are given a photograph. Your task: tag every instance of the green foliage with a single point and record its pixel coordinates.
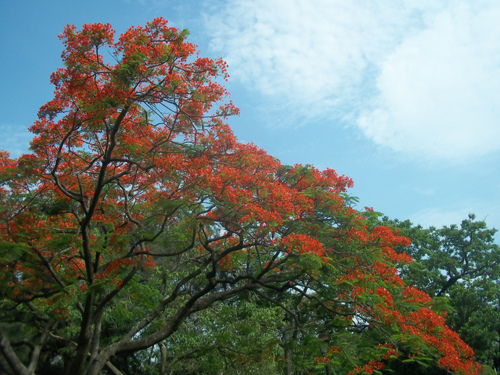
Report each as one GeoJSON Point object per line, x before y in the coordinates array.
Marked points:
{"type": "Point", "coordinates": [461, 266]}
{"type": "Point", "coordinates": [142, 237]}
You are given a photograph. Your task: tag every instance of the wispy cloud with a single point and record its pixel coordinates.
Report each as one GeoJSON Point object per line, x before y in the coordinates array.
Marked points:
{"type": "Point", "coordinates": [417, 77]}
{"type": "Point", "coordinates": [438, 92]}
{"type": "Point", "coordinates": [446, 216]}
{"type": "Point", "coordinates": [15, 139]}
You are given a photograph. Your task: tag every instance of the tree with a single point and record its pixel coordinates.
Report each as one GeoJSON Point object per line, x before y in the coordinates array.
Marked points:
{"type": "Point", "coordinates": [137, 212]}
{"type": "Point", "coordinates": [462, 264]}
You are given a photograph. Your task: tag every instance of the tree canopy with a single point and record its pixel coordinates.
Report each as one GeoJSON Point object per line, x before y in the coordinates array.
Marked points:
{"type": "Point", "coordinates": [138, 231]}
{"type": "Point", "coordinates": [462, 264]}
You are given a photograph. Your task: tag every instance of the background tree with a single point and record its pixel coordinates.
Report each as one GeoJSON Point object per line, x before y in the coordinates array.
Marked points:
{"type": "Point", "coordinates": [138, 214]}
{"type": "Point", "coordinates": [461, 263]}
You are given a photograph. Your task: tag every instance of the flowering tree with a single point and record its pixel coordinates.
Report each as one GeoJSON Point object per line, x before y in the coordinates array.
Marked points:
{"type": "Point", "coordinates": [462, 264]}
{"type": "Point", "coordinates": [138, 209]}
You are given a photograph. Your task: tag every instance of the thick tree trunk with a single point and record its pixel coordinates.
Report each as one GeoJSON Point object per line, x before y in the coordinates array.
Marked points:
{"type": "Point", "coordinates": [288, 356]}
{"type": "Point", "coordinates": [163, 359]}
{"type": "Point", "coordinates": [10, 356]}
{"type": "Point", "coordinates": [82, 351]}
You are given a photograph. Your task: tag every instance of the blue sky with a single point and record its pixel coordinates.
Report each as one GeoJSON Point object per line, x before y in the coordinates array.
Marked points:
{"type": "Point", "coordinates": [402, 96]}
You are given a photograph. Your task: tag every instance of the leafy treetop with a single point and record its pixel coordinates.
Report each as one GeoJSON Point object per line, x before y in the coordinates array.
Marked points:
{"type": "Point", "coordinates": [138, 209]}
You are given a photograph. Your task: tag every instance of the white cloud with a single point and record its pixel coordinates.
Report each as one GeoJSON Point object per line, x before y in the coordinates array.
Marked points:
{"type": "Point", "coordinates": [439, 90]}
{"type": "Point", "coordinates": [419, 77]}
{"type": "Point", "coordinates": [15, 139]}
{"type": "Point", "coordinates": [303, 50]}
{"type": "Point", "coordinates": [446, 216]}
